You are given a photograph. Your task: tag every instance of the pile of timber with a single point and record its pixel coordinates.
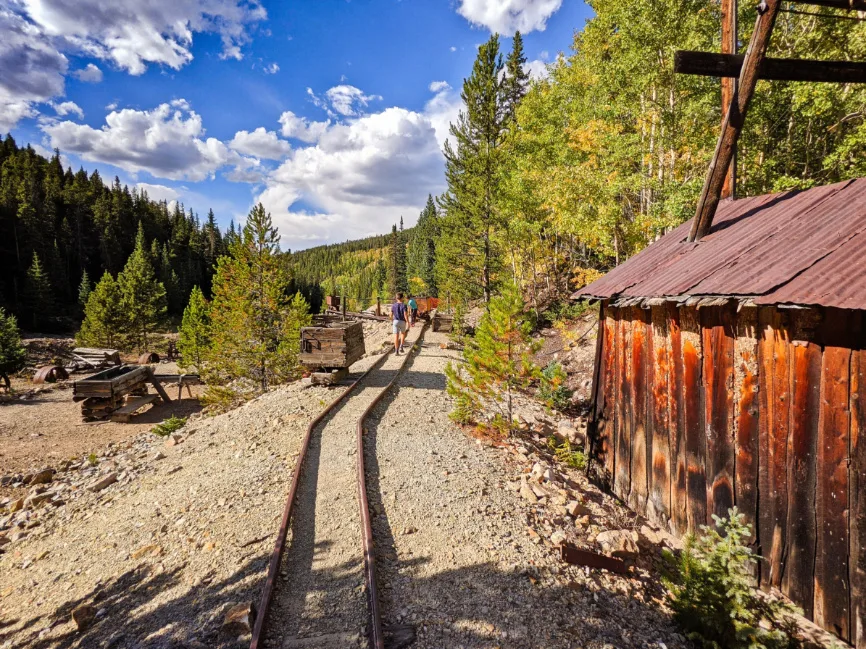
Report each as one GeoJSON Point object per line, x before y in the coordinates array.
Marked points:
{"type": "Point", "coordinates": [443, 321]}
{"type": "Point", "coordinates": [332, 345]}
{"type": "Point", "coordinates": [116, 393]}
{"type": "Point", "coordinates": [94, 357]}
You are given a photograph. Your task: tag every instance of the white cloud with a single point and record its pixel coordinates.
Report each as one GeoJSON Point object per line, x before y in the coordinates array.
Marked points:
{"type": "Point", "coordinates": [537, 69]}
{"type": "Point", "coordinates": [301, 128]}
{"type": "Point", "coordinates": [112, 106]}
{"type": "Point", "coordinates": [443, 109]}
{"type": "Point", "coordinates": [132, 34]}
{"type": "Point", "coordinates": [89, 74]}
{"type": "Point", "coordinates": [508, 16]}
{"type": "Point", "coordinates": [166, 142]}
{"type": "Point", "coordinates": [261, 144]}
{"type": "Point", "coordinates": [68, 108]}
{"type": "Point", "coordinates": [453, 49]}
{"type": "Point", "coordinates": [31, 70]}
{"type": "Point", "coordinates": [159, 192]}
{"type": "Point", "coordinates": [348, 100]}
{"type": "Point", "coordinates": [359, 178]}
{"type": "Point", "coordinates": [273, 68]}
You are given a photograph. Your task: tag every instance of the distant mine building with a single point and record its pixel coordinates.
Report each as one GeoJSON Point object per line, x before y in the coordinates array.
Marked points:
{"type": "Point", "coordinates": [729, 371]}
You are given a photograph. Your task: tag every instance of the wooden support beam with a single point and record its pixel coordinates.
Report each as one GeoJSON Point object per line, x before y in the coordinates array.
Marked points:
{"type": "Point", "coordinates": [729, 85]}
{"type": "Point", "coordinates": [736, 113]}
{"type": "Point", "coordinates": [709, 64]}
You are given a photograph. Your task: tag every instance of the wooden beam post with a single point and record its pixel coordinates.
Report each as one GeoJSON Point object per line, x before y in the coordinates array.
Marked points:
{"type": "Point", "coordinates": [733, 124]}
{"type": "Point", "coordinates": [710, 64]}
{"type": "Point", "coordinates": [729, 87]}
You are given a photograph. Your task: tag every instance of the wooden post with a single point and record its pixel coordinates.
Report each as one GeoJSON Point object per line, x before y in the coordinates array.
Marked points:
{"type": "Point", "coordinates": [729, 87]}
{"type": "Point", "coordinates": [343, 306]}
{"type": "Point", "coordinates": [378, 306]}
{"type": "Point", "coordinates": [733, 124]}
{"type": "Point", "coordinates": [158, 387]}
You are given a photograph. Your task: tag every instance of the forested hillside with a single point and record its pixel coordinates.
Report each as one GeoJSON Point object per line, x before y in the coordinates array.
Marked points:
{"type": "Point", "coordinates": [60, 231]}
{"type": "Point", "coordinates": [365, 269]}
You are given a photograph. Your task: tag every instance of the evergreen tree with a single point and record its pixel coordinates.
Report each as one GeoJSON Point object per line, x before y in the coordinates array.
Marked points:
{"type": "Point", "coordinates": [255, 328]}
{"type": "Point", "coordinates": [397, 278]}
{"type": "Point", "coordinates": [143, 295]}
{"type": "Point", "coordinates": [421, 256]}
{"type": "Point", "coordinates": [516, 78]}
{"type": "Point", "coordinates": [105, 318]}
{"type": "Point", "coordinates": [38, 297]}
{"type": "Point", "coordinates": [84, 290]}
{"type": "Point", "coordinates": [194, 333]}
{"type": "Point", "coordinates": [13, 356]}
{"type": "Point", "coordinates": [468, 260]}
{"type": "Point", "coordinates": [498, 360]}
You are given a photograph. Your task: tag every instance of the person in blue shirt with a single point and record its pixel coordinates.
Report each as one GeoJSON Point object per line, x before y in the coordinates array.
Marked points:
{"type": "Point", "coordinates": [413, 311]}
{"type": "Point", "coordinates": [399, 324]}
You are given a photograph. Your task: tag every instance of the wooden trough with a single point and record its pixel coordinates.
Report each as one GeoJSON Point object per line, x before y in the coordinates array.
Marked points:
{"type": "Point", "coordinates": [116, 393]}
{"type": "Point", "coordinates": [329, 350]}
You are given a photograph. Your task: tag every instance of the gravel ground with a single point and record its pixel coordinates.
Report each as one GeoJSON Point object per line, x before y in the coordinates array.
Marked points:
{"type": "Point", "coordinates": [163, 553]}
{"type": "Point", "coordinates": [465, 561]}
{"type": "Point", "coordinates": [322, 592]}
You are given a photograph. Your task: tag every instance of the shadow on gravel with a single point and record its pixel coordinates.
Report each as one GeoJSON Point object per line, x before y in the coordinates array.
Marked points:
{"type": "Point", "coordinates": [486, 606]}
{"type": "Point", "coordinates": [193, 617]}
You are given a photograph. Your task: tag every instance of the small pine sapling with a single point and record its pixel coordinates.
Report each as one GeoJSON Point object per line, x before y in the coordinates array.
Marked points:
{"type": "Point", "coordinates": [496, 362]}
{"type": "Point", "coordinates": [712, 597]}
{"type": "Point", "coordinates": [13, 356]}
{"type": "Point", "coordinates": [553, 391]}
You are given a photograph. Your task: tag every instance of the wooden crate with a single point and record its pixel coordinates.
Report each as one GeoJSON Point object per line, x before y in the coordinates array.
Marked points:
{"type": "Point", "coordinates": [443, 321]}
{"type": "Point", "coordinates": [332, 345]}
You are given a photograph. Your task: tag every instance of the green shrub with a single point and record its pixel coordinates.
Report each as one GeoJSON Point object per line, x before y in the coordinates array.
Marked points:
{"type": "Point", "coordinates": [553, 390]}
{"type": "Point", "coordinates": [566, 454]}
{"type": "Point", "coordinates": [169, 426]}
{"type": "Point", "coordinates": [712, 597]}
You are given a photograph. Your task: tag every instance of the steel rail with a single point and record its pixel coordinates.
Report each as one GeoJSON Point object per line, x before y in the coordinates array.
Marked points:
{"type": "Point", "coordinates": [376, 635]}
{"type": "Point", "coordinates": [260, 626]}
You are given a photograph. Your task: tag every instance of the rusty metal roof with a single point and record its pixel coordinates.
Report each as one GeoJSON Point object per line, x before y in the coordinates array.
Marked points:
{"type": "Point", "coordinates": [799, 247]}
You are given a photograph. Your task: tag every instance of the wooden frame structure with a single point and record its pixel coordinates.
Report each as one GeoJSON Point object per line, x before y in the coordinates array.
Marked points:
{"type": "Point", "coordinates": [737, 95]}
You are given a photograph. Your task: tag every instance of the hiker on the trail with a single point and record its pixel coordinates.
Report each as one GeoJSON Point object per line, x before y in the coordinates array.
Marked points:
{"type": "Point", "coordinates": [413, 311]}
{"type": "Point", "coordinates": [399, 325]}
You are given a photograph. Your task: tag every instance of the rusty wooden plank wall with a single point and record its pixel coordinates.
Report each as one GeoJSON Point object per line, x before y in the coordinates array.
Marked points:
{"type": "Point", "coordinates": [703, 409]}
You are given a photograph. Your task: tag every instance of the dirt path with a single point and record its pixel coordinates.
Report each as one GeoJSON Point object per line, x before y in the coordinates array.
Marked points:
{"type": "Point", "coordinates": [321, 601]}
{"type": "Point", "coordinates": [457, 561]}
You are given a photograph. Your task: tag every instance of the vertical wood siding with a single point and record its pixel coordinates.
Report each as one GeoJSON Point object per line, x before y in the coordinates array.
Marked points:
{"type": "Point", "coordinates": [699, 410]}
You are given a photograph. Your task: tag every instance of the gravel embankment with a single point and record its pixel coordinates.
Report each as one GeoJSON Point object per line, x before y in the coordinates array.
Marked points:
{"type": "Point", "coordinates": [320, 600]}
{"type": "Point", "coordinates": [466, 560]}
{"type": "Point", "coordinates": [162, 553]}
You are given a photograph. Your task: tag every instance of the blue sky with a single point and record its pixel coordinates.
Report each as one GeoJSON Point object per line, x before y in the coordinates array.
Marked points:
{"type": "Point", "coordinates": [330, 112]}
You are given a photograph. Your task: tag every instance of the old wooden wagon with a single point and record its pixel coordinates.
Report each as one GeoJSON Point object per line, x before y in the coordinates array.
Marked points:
{"type": "Point", "coordinates": [730, 372]}
{"type": "Point", "coordinates": [331, 348]}
{"type": "Point", "coordinates": [116, 393]}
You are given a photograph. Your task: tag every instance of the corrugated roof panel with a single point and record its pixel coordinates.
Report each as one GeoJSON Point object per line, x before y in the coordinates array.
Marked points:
{"type": "Point", "coordinates": [756, 246]}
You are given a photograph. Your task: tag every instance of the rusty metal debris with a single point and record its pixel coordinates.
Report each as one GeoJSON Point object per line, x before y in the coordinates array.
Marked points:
{"type": "Point", "coordinates": [577, 557]}
{"type": "Point", "coordinates": [50, 374]}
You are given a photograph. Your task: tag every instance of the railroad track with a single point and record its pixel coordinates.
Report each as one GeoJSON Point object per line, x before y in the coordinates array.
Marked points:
{"type": "Point", "coordinates": [320, 591]}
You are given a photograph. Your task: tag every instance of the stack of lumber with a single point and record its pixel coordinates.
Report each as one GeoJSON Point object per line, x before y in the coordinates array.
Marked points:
{"type": "Point", "coordinates": [95, 357]}
{"type": "Point", "coordinates": [442, 321]}
{"type": "Point", "coordinates": [332, 345]}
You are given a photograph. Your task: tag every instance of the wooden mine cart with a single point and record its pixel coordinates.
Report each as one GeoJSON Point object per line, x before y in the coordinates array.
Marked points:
{"type": "Point", "coordinates": [116, 393]}
{"type": "Point", "coordinates": [443, 321]}
{"type": "Point", "coordinates": [329, 349]}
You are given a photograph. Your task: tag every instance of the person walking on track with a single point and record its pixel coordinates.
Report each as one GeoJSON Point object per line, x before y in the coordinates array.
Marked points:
{"type": "Point", "coordinates": [413, 311]}
{"type": "Point", "coordinates": [399, 323]}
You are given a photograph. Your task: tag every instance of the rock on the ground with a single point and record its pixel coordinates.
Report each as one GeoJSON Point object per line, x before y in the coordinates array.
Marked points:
{"type": "Point", "coordinates": [83, 616]}
{"type": "Point", "coordinates": [239, 619]}
{"type": "Point", "coordinates": [618, 543]}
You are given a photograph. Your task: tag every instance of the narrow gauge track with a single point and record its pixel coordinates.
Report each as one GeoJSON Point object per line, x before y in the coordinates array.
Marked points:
{"type": "Point", "coordinates": [314, 593]}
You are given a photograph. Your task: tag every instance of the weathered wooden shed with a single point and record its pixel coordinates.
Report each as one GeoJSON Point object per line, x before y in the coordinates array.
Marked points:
{"type": "Point", "coordinates": [729, 371]}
